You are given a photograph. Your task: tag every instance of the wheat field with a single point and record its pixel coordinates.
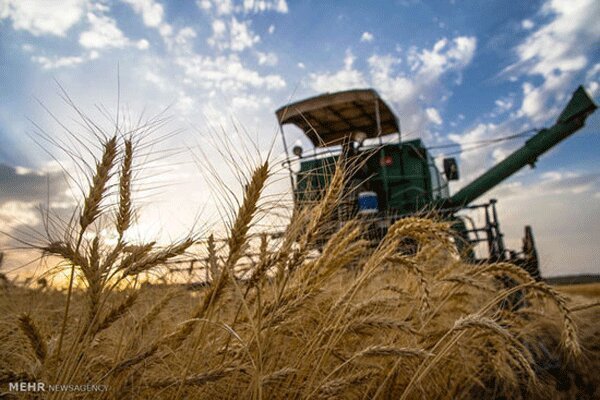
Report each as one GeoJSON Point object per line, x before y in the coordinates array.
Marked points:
{"type": "Point", "coordinates": [347, 322]}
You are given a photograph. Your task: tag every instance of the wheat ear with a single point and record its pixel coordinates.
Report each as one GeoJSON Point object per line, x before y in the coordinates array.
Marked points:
{"type": "Point", "coordinates": [36, 339]}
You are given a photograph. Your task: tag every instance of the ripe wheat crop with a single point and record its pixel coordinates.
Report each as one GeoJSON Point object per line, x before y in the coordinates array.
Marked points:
{"type": "Point", "coordinates": [348, 321]}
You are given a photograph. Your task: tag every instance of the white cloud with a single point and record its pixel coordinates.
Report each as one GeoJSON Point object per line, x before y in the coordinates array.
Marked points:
{"type": "Point", "coordinates": [346, 78]}
{"type": "Point", "coordinates": [556, 51]}
{"type": "Point", "coordinates": [242, 36]}
{"type": "Point", "coordinates": [534, 101]}
{"type": "Point", "coordinates": [503, 105]}
{"type": "Point", "coordinates": [58, 62]}
{"type": "Point", "coordinates": [23, 170]}
{"type": "Point", "coordinates": [475, 159]}
{"type": "Point", "coordinates": [102, 33]}
{"type": "Point", "coordinates": [593, 88]}
{"type": "Point", "coordinates": [223, 7]}
{"type": "Point", "coordinates": [227, 7]}
{"type": "Point", "coordinates": [434, 116]}
{"type": "Point", "coordinates": [142, 44]}
{"type": "Point", "coordinates": [53, 17]}
{"type": "Point", "coordinates": [185, 104]}
{"type": "Point", "coordinates": [444, 56]}
{"type": "Point", "coordinates": [236, 35]}
{"type": "Point", "coordinates": [423, 84]}
{"type": "Point", "coordinates": [593, 72]}
{"type": "Point", "coordinates": [151, 11]}
{"type": "Point", "coordinates": [259, 6]}
{"type": "Point", "coordinates": [591, 80]}
{"type": "Point", "coordinates": [219, 28]}
{"type": "Point", "coordinates": [410, 91]}
{"type": "Point", "coordinates": [249, 102]}
{"type": "Point", "coordinates": [270, 59]}
{"type": "Point", "coordinates": [366, 37]}
{"type": "Point", "coordinates": [152, 14]}
{"type": "Point", "coordinates": [271, 29]}
{"type": "Point", "coordinates": [527, 24]}
{"type": "Point", "coordinates": [205, 5]}
{"type": "Point", "coordinates": [165, 30]}
{"type": "Point", "coordinates": [15, 213]}
{"type": "Point", "coordinates": [225, 73]}
{"type": "Point", "coordinates": [185, 36]}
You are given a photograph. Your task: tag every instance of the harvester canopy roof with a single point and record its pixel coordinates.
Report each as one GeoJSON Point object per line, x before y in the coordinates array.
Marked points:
{"type": "Point", "coordinates": [327, 119]}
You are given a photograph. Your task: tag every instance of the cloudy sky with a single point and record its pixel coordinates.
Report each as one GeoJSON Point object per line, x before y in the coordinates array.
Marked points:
{"type": "Point", "coordinates": [454, 71]}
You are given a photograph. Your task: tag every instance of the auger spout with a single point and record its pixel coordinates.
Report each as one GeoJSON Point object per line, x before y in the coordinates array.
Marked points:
{"type": "Point", "coordinates": [570, 120]}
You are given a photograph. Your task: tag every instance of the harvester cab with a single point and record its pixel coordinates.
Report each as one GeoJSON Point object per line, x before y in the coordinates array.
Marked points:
{"type": "Point", "coordinates": [392, 179]}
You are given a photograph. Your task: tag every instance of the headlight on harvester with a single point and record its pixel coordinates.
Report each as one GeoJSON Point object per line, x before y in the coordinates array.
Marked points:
{"type": "Point", "coordinates": [297, 150]}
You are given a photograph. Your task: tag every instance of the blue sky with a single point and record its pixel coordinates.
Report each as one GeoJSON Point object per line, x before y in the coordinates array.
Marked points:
{"type": "Point", "coordinates": [454, 71]}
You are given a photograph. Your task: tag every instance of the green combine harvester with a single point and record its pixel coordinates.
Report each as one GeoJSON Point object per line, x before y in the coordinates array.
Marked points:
{"type": "Point", "coordinates": [395, 179]}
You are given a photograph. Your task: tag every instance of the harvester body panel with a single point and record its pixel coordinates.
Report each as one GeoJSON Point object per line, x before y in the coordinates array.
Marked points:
{"type": "Point", "coordinates": [403, 175]}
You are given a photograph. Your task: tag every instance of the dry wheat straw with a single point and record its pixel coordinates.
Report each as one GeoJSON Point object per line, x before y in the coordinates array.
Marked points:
{"type": "Point", "coordinates": [117, 312]}
{"type": "Point", "coordinates": [37, 341]}
{"type": "Point", "coordinates": [195, 380]}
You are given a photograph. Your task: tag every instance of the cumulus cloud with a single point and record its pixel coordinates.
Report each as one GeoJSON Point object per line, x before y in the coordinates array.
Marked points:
{"type": "Point", "coordinates": [346, 78]}
{"type": "Point", "coordinates": [17, 213]}
{"type": "Point", "coordinates": [151, 11]}
{"type": "Point", "coordinates": [152, 14]}
{"type": "Point", "coordinates": [234, 35]}
{"type": "Point", "coordinates": [503, 105]}
{"type": "Point", "coordinates": [433, 115]}
{"type": "Point", "coordinates": [366, 37]}
{"type": "Point", "coordinates": [444, 56]}
{"type": "Point", "coordinates": [242, 36]}
{"type": "Point", "coordinates": [411, 83]}
{"type": "Point", "coordinates": [226, 7]}
{"type": "Point", "coordinates": [258, 6]}
{"type": "Point", "coordinates": [102, 33]}
{"type": "Point", "coordinates": [556, 51]}
{"type": "Point", "coordinates": [527, 24]}
{"type": "Point", "coordinates": [225, 73]}
{"type": "Point", "coordinates": [270, 59]}
{"type": "Point", "coordinates": [250, 102]}
{"type": "Point", "coordinates": [48, 17]}
{"type": "Point", "coordinates": [592, 80]}
{"type": "Point", "coordinates": [58, 62]}
{"type": "Point", "coordinates": [476, 159]}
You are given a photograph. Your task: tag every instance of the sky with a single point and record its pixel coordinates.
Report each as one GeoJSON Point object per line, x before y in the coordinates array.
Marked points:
{"type": "Point", "coordinates": [453, 71]}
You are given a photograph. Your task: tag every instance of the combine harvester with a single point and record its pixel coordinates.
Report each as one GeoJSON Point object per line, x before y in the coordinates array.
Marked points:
{"type": "Point", "coordinates": [396, 179]}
